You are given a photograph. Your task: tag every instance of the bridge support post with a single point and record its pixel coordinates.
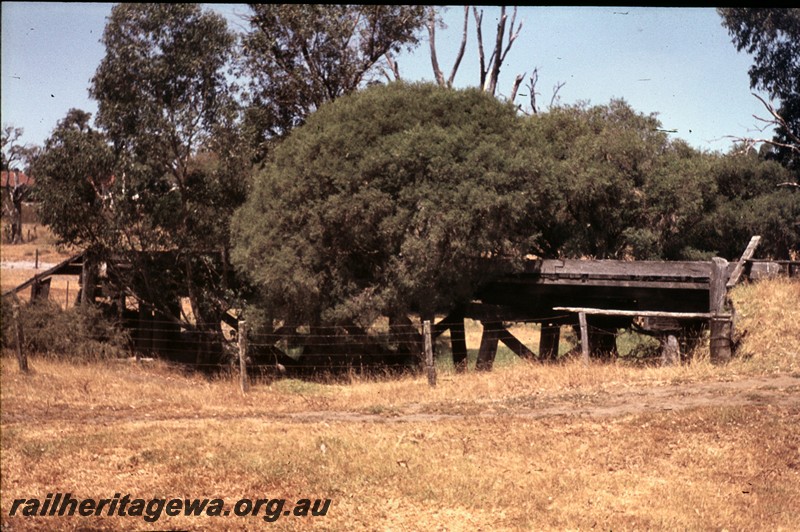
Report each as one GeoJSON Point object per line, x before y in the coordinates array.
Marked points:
{"type": "Point", "coordinates": [548, 341]}
{"type": "Point", "coordinates": [721, 326]}
{"type": "Point", "coordinates": [488, 349]}
{"type": "Point", "coordinates": [458, 344]}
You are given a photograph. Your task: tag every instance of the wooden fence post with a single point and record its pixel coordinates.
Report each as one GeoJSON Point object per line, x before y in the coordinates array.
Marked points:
{"type": "Point", "coordinates": [431, 367]}
{"type": "Point", "coordinates": [584, 338]}
{"type": "Point", "coordinates": [22, 357]}
{"type": "Point", "coordinates": [243, 381]}
{"type": "Point", "coordinates": [670, 351]}
{"type": "Point", "coordinates": [720, 326]}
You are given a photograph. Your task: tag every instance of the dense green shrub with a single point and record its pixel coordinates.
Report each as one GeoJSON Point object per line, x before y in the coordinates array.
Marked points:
{"type": "Point", "coordinates": [77, 334]}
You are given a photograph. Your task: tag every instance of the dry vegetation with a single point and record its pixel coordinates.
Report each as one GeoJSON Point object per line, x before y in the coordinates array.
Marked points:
{"type": "Point", "coordinates": [19, 261]}
{"type": "Point", "coordinates": [609, 446]}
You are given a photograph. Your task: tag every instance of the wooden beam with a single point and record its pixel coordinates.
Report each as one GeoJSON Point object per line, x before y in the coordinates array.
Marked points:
{"type": "Point", "coordinates": [641, 313]}
{"type": "Point", "coordinates": [747, 255]}
{"type": "Point", "coordinates": [244, 382]}
{"type": "Point", "coordinates": [670, 351]}
{"type": "Point", "coordinates": [429, 362]}
{"type": "Point", "coordinates": [55, 270]}
{"type": "Point", "coordinates": [511, 341]}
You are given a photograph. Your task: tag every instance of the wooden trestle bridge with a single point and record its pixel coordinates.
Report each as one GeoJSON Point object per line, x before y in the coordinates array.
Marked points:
{"type": "Point", "coordinates": [674, 301]}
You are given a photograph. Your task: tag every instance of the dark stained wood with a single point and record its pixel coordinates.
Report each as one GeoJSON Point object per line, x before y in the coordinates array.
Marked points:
{"type": "Point", "coordinates": [40, 289]}
{"type": "Point", "coordinates": [458, 343]}
{"type": "Point", "coordinates": [511, 341]}
{"type": "Point", "coordinates": [548, 341]}
{"type": "Point", "coordinates": [488, 348]}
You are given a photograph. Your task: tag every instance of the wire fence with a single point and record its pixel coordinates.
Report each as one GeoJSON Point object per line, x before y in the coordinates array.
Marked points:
{"type": "Point", "coordinates": [303, 349]}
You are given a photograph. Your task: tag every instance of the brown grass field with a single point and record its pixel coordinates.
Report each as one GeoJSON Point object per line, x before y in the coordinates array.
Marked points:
{"type": "Point", "coordinates": [612, 446]}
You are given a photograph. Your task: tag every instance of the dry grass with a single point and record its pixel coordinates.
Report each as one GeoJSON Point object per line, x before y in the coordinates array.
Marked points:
{"type": "Point", "coordinates": [528, 446]}
{"type": "Point", "coordinates": [41, 239]}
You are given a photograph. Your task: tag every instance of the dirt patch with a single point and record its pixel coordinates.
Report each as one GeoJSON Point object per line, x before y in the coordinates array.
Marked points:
{"type": "Point", "coordinates": [780, 390]}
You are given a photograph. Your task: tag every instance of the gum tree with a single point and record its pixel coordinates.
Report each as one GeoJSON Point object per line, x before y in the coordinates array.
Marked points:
{"type": "Point", "coordinates": [167, 111]}
{"type": "Point", "coordinates": [297, 57]}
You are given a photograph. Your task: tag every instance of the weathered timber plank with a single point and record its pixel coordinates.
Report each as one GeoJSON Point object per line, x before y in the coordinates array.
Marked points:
{"type": "Point", "coordinates": [720, 328]}
{"type": "Point", "coordinates": [58, 269]}
{"type": "Point", "coordinates": [565, 267]}
{"type": "Point", "coordinates": [584, 338]}
{"type": "Point", "coordinates": [747, 255]}
{"type": "Point", "coordinates": [641, 313]}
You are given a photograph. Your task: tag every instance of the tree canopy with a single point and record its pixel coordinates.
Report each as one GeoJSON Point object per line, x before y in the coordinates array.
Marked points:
{"type": "Point", "coordinates": [384, 202]}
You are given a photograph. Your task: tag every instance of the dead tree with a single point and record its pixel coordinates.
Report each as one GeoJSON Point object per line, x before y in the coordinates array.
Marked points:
{"type": "Point", "coordinates": [489, 69]}
{"type": "Point", "coordinates": [792, 142]}
{"type": "Point", "coordinates": [437, 72]}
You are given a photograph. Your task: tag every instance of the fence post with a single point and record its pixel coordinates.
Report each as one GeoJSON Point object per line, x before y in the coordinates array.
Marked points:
{"type": "Point", "coordinates": [720, 327]}
{"type": "Point", "coordinates": [670, 351]}
{"type": "Point", "coordinates": [431, 367]}
{"type": "Point", "coordinates": [243, 382]}
{"type": "Point", "coordinates": [584, 337]}
{"type": "Point", "coordinates": [22, 357]}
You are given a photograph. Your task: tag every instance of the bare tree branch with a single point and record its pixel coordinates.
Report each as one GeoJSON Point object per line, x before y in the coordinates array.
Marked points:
{"type": "Point", "coordinates": [532, 81]}
{"type": "Point", "coordinates": [461, 49]}
{"type": "Point", "coordinates": [437, 72]}
{"type": "Point", "coordinates": [515, 88]}
{"type": "Point", "coordinates": [490, 85]}
{"type": "Point", "coordinates": [479, 34]}
{"type": "Point", "coordinates": [777, 120]}
{"type": "Point", "coordinates": [556, 88]}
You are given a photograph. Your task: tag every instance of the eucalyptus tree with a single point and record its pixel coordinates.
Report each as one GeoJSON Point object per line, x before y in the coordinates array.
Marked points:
{"type": "Point", "coordinates": [167, 107]}
{"type": "Point", "coordinates": [297, 57]}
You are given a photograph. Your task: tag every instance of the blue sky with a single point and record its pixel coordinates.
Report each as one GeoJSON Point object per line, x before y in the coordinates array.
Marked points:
{"type": "Point", "coordinates": [677, 62]}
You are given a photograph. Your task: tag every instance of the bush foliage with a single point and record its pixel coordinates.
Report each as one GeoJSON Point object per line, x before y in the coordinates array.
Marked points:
{"type": "Point", "coordinates": [77, 334]}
